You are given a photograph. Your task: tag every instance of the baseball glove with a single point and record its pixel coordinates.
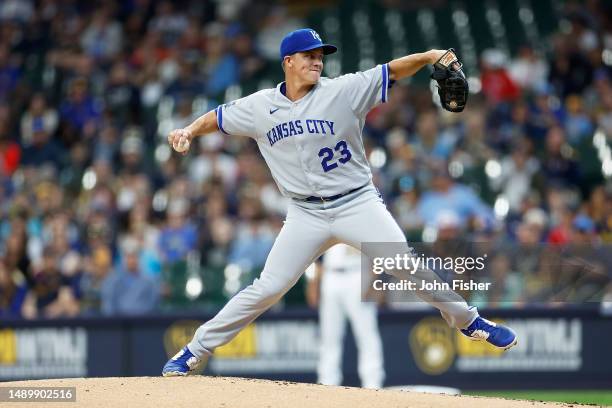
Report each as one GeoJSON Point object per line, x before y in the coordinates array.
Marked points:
{"type": "Point", "coordinates": [452, 86]}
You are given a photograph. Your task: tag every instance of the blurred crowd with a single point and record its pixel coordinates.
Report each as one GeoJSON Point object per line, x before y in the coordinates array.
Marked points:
{"type": "Point", "coordinates": [98, 216]}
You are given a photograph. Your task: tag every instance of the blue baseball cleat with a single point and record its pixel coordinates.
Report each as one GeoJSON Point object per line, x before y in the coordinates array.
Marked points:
{"type": "Point", "coordinates": [183, 363]}
{"type": "Point", "coordinates": [496, 334]}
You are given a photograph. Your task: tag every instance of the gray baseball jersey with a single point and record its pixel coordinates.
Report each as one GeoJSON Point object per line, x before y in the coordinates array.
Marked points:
{"type": "Point", "coordinates": [312, 146]}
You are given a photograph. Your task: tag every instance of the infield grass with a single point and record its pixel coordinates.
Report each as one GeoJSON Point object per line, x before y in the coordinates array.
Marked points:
{"type": "Point", "coordinates": [594, 397]}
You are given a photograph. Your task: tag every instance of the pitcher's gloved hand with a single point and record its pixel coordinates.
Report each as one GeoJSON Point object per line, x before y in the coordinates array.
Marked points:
{"type": "Point", "coordinates": [452, 85]}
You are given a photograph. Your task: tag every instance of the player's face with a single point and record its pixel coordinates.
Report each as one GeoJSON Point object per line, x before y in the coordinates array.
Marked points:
{"type": "Point", "coordinates": [308, 65]}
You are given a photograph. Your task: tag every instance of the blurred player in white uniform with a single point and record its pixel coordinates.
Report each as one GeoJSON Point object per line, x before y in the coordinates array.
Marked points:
{"type": "Point", "coordinates": [337, 289]}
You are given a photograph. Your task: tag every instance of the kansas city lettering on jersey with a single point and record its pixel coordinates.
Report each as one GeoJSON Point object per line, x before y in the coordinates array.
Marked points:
{"type": "Point", "coordinates": [295, 127]}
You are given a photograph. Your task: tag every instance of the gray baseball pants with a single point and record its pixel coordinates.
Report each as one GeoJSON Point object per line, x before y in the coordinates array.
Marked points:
{"type": "Point", "coordinates": [309, 230]}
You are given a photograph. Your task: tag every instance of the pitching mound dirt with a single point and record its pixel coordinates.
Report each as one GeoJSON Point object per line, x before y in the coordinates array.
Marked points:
{"type": "Point", "coordinates": [227, 392]}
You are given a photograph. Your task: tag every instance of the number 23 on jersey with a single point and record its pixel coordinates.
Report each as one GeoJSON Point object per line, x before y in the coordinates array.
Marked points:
{"type": "Point", "coordinates": [327, 154]}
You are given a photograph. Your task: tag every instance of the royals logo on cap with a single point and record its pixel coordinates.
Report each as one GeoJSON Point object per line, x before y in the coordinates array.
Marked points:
{"type": "Point", "coordinates": [305, 39]}
{"type": "Point", "coordinates": [315, 35]}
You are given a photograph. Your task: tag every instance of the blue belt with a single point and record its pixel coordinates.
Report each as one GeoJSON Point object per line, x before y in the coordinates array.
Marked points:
{"type": "Point", "coordinates": [314, 199]}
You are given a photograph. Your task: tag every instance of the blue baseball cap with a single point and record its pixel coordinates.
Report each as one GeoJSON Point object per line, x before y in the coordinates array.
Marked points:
{"type": "Point", "coordinates": [305, 39]}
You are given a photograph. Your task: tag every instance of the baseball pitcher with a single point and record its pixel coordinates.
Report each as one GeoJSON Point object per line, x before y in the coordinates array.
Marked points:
{"type": "Point", "coordinates": [309, 131]}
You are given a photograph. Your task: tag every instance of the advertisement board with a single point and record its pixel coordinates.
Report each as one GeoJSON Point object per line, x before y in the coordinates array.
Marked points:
{"type": "Point", "coordinates": [557, 349]}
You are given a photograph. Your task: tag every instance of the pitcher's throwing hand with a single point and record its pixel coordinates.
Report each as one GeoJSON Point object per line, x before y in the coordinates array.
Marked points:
{"type": "Point", "coordinates": [180, 140]}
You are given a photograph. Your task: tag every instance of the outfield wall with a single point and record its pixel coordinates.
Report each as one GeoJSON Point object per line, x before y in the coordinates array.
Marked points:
{"type": "Point", "coordinates": [557, 349]}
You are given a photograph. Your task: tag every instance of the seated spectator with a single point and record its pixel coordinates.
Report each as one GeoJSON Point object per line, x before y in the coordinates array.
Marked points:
{"type": "Point", "coordinates": [51, 294]}
{"type": "Point", "coordinates": [222, 67]}
{"type": "Point", "coordinates": [405, 206]}
{"type": "Point", "coordinates": [171, 24]}
{"type": "Point", "coordinates": [528, 69]}
{"type": "Point", "coordinates": [38, 114]}
{"type": "Point", "coordinates": [132, 152]}
{"type": "Point", "coordinates": [517, 172]}
{"type": "Point", "coordinates": [512, 128]}
{"type": "Point", "coordinates": [211, 161]}
{"type": "Point", "coordinates": [215, 228]}
{"type": "Point", "coordinates": [80, 111]}
{"type": "Point", "coordinates": [602, 101]}
{"type": "Point", "coordinates": [147, 237]}
{"type": "Point", "coordinates": [9, 73]}
{"type": "Point", "coordinates": [559, 165]}
{"type": "Point", "coordinates": [179, 236]}
{"type": "Point", "coordinates": [186, 86]}
{"type": "Point", "coordinates": [530, 259]}
{"type": "Point", "coordinates": [10, 153]}
{"type": "Point", "coordinates": [64, 240]}
{"type": "Point", "coordinates": [141, 228]}
{"type": "Point", "coordinates": [533, 227]}
{"type": "Point", "coordinates": [570, 71]}
{"type": "Point", "coordinates": [15, 247]}
{"type": "Point", "coordinates": [577, 123]}
{"type": "Point", "coordinates": [254, 239]}
{"type": "Point", "coordinates": [127, 291]}
{"type": "Point", "coordinates": [44, 149]}
{"type": "Point", "coordinates": [474, 149]}
{"type": "Point", "coordinates": [276, 23]}
{"type": "Point", "coordinates": [600, 208]}
{"type": "Point", "coordinates": [13, 291]}
{"type": "Point", "coordinates": [220, 231]}
{"type": "Point", "coordinates": [560, 233]}
{"type": "Point", "coordinates": [133, 184]}
{"type": "Point", "coordinates": [122, 97]}
{"type": "Point", "coordinates": [543, 114]}
{"type": "Point", "coordinates": [446, 195]}
{"type": "Point", "coordinates": [497, 85]}
{"type": "Point", "coordinates": [429, 143]}
{"type": "Point", "coordinates": [251, 63]}
{"type": "Point", "coordinates": [102, 39]}
{"type": "Point", "coordinates": [583, 230]}
{"type": "Point", "coordinates": [97, 269]}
